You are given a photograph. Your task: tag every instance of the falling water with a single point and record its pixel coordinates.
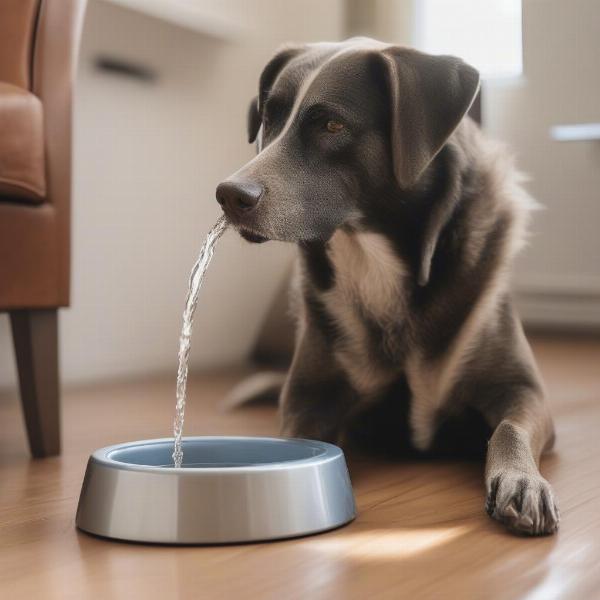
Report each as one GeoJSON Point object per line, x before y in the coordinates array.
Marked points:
{"type": "Point", "coordinates": [196, 279]}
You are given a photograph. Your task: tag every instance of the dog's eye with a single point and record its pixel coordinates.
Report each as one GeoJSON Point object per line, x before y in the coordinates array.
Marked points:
{"type": "Point", "coordinates": [334, 126]}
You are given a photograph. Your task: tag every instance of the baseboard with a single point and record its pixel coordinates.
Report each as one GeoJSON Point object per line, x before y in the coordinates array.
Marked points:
{"type": "Point", "coordinates": [573, 310]}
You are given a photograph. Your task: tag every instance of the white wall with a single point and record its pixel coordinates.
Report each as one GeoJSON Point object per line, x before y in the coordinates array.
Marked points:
{"type": "Point", "coordinates": [558, 276]}
{"type": "Point", "coordinates": [147, 160]}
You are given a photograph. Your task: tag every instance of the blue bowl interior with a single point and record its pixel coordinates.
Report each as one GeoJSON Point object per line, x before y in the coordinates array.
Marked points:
{"type": "Point", "coordinates": [218, 452]}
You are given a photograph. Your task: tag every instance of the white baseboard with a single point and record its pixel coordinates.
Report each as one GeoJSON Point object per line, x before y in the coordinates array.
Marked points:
{"type": "Point", "coordinates": [559, 299]}
{"type": "Point", "coordinates": [576, 310]}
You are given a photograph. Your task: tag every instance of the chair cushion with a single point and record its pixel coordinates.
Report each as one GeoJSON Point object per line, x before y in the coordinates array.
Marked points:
{"type": "Point", "coordinates": [22, 176]}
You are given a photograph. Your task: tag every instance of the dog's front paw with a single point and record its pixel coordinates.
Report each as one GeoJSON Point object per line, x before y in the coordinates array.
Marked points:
{"type": "Point", "coordinates": [524, 503]}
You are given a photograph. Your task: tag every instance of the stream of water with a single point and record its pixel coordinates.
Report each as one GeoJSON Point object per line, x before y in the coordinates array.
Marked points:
{"type": "Point", "coordinates": [196, 279]}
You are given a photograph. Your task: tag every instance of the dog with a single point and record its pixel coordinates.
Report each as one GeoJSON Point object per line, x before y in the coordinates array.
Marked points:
{"type": "Point", "coordinates": [406, 221]}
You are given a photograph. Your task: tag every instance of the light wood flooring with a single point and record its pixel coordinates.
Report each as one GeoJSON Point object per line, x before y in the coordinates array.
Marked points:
{"type": "Point", "coordinates": [421, 530]}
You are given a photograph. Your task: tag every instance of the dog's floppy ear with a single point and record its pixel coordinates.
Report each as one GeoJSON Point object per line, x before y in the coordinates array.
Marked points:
{"type": "Point", "coordinates": [429, 96]}
{"type": "Point", "coordinates": [267, 79]}
{"type": "Point", "coordinates": [253, 121]}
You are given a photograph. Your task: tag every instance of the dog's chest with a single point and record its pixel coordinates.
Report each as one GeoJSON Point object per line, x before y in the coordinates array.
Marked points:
{"type": "Point", "coordinates": [367, 305]}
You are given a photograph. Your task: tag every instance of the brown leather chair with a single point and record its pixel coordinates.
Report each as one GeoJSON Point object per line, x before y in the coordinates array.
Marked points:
{"type": "Point", "coordinates": [39, 40]}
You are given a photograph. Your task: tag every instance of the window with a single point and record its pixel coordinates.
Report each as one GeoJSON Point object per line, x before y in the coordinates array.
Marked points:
{"type": "Point", "coordinates": [486, 34]}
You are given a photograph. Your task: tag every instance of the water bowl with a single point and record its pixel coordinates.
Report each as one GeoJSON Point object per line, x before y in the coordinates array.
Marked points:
{"type": "Point", "coordinates": [229, 489]}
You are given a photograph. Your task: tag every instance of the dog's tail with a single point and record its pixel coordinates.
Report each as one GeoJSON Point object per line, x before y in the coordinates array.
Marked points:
{"type": "Point", "coordinates": [262, 387]}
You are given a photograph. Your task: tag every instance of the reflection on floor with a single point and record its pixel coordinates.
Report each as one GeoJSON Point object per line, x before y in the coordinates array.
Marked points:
{"type": "Point", "coordinates": [421, 530]}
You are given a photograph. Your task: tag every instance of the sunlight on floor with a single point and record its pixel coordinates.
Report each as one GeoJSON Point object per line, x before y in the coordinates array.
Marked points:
{"type": "Point", "coordinates": [382, 543]}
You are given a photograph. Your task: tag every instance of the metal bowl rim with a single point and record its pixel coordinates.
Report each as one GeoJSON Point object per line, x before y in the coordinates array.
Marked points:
{"type": "Point", "coordinates": [330, 452]}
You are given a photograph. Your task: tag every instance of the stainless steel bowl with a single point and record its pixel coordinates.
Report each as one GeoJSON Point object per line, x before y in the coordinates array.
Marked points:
{"type": "Point", "coordinates": [229, 489]}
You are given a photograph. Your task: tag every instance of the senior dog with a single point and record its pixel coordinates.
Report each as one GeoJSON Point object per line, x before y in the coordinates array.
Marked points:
{"type": "Point", "coordinates": [407, 221]}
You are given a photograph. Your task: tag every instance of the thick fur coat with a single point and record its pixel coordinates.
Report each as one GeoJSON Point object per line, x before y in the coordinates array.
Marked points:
{"type": "Point", "coordinates": [407, 221]}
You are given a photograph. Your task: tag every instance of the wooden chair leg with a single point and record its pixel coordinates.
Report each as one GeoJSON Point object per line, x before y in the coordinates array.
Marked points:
{"type": "Point", "coordinates": [35, 336]}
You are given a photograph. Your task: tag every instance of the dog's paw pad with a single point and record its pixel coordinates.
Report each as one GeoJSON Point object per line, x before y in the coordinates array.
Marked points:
{"type": "Point", "coordinates": [524, 503]}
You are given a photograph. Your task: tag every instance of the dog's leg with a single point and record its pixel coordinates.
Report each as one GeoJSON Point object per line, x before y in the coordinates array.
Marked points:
{"type": "Point", "coordinates": [517, 495]}
{"type": "Point", "coordinates": [316, 396]}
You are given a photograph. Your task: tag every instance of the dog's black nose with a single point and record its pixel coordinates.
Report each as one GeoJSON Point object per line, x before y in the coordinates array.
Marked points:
{"type": "Point", "coordinates": [238, 197]}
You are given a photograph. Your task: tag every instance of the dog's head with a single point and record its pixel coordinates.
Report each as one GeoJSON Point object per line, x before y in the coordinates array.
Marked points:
{"type": "Point", "coordinates": [335, 122]}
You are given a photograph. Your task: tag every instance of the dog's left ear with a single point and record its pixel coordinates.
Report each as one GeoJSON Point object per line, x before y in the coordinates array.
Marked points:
{"type": "Point", "coordinates": [253, 121]}
{"type": "Point", "coordinates": [429, 96]}
{"type": "Point", "coordinates": [268, 76]}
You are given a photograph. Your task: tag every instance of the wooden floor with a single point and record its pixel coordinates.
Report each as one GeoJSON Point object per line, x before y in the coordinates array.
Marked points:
{"type": "Point", "coordinates": [421, 531]}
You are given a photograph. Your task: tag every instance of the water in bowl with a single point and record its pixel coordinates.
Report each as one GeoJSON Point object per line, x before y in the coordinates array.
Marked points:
{"type": "Point", "coordinates": [185, 340]}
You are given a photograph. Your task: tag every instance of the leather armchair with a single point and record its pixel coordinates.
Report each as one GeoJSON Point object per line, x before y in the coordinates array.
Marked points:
{"type": "Point", "coordinates": [39, 40]}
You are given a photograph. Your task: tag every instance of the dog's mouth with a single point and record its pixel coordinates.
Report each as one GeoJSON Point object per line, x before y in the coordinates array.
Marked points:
{"type": "Point", "coordinates": [252, 237]}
